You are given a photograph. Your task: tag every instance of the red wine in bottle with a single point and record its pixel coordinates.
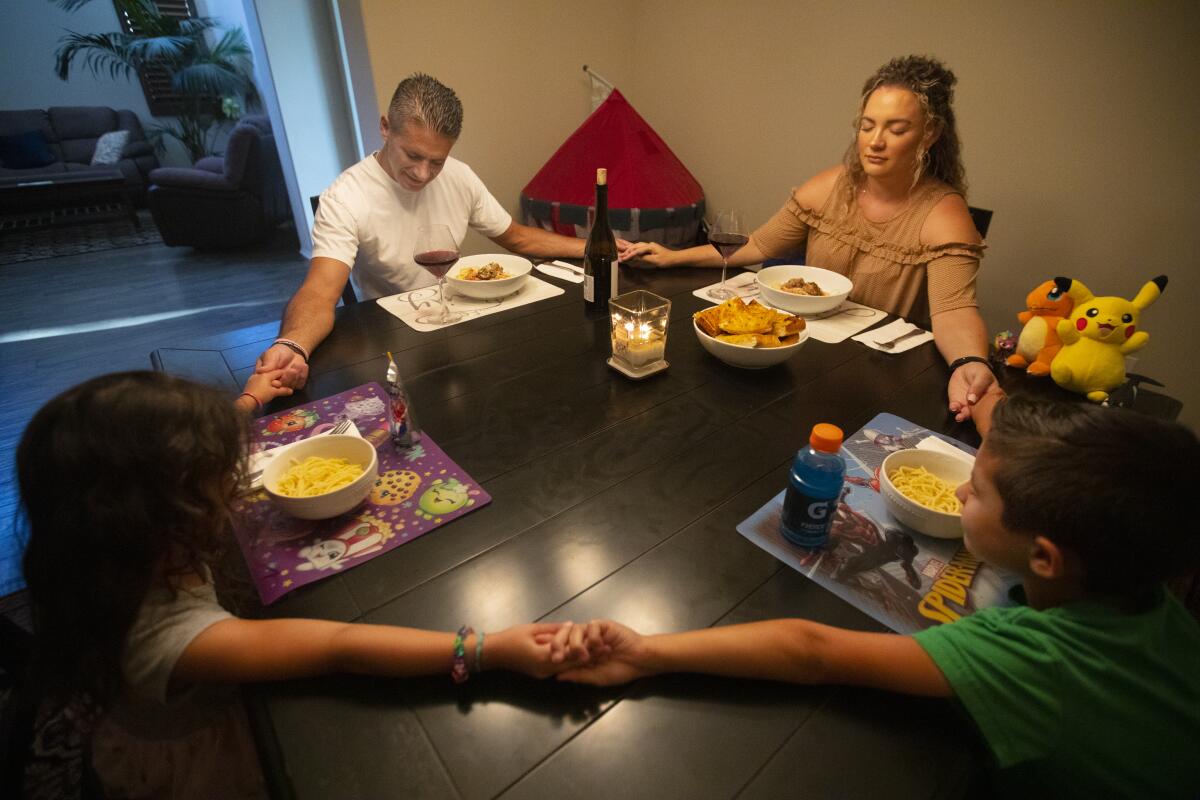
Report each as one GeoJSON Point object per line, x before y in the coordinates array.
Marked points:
{"type": "Point", "coordinates": [727, 243]}
{"type": "Point", "coordinates": [600, 254]}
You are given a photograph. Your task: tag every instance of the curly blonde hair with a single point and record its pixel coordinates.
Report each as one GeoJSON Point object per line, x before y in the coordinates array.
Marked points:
{"type": "Point", "coordinates": [933, 84]}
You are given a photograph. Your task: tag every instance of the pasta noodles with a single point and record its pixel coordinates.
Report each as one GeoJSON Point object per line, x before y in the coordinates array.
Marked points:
{"type": "Point", "coordinates": [922, 486]}
{"type": "Point", "coordinates": [315, 475]}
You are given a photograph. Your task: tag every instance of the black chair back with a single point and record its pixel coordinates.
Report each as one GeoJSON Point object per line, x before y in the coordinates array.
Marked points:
{"type": "Point", "coordinates": [349, 298]}
{"type": "Point", "coordinates": [982, 219]}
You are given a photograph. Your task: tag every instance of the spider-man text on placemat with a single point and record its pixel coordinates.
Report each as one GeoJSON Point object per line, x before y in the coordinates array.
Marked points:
{"type": "Point", "coordinates": [418, 489]}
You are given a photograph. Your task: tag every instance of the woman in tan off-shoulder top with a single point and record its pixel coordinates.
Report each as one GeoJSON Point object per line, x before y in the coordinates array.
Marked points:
{"type": "Point", "coordinates": [893, 219]}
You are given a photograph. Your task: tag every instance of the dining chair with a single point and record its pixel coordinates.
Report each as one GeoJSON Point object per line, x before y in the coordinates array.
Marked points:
{"type": "Point", "coordinates": [982, 218]}
{"type": "Point", "coordinates": [349, 298]}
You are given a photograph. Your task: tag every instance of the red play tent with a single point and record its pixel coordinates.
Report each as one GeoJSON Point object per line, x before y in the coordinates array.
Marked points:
{"type": "Point", "coordinates": [651, 195]}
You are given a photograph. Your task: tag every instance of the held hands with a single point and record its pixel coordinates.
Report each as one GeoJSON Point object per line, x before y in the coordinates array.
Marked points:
{"type": "Point", "coordinates": [973, 392]}
{"type": "Point", "coordinates": [644, 254]}
{"type": "Point", "coordinates": [266, 386]}
{"type": "Point", "coordinates": [600, 652]}
{"type": "Point", "coordinates": [285, 364]}
{"type": "Point", "coordinates": [609, 654]}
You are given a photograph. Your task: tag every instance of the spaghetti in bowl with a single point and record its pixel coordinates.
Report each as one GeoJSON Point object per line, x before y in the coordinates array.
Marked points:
{"type": "Point", "coordinates": [322, 477]}
{"type": "Point", "coordinates": [917, 486]}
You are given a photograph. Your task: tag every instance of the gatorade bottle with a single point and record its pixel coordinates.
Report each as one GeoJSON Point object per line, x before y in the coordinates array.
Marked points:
{"type": "Point", "coordinates": [814, 488]}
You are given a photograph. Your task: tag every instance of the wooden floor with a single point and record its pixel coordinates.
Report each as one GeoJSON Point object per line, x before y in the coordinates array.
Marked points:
{"type": "Point", "coordinates": [64, 320]}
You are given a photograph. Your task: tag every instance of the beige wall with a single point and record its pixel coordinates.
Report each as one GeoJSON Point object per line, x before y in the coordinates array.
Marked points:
{"type": "Point", "coordinates": [517, 66]}
{"type": "Point", "coordinates": [1080, 120]}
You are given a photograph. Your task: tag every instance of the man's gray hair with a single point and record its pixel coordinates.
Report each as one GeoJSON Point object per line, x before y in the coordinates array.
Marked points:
{"type": "Point", "coordinates": [426, 101]}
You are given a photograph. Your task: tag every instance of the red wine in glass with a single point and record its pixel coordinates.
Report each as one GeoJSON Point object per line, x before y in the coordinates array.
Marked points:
{"type": "Point", "coordinates": [437, 262]}
{"type": "Point", "coordinates": [727, 243]}
{"type": "Point", "coordinates": [437, 251]}
{"type": "Point", "coordinates": [728, 235]}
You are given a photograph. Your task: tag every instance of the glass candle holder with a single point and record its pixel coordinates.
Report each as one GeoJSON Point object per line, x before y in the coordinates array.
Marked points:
{"type": "Point", "coordinates": [639, 333]}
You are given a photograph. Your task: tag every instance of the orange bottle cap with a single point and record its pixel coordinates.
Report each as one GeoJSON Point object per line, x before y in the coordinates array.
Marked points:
{"type": "Point", "coordinates": [826, 438]}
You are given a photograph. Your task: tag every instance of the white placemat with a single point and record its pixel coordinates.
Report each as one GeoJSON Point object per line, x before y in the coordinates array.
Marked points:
{"type": "Point", "coordinates": [846, 320]}
{"type": "Point", "coordinates": [892, 331]}
{"type": "Point", "coordinates": [744, 285]}
{"type": "Point", "coordinates": [407, 305]}
{"type": "Point", "coordinates": [831, 327]}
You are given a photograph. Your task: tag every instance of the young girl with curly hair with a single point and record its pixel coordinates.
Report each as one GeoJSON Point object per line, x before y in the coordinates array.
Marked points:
{"type": "Point", "coordinates": [126, 483]}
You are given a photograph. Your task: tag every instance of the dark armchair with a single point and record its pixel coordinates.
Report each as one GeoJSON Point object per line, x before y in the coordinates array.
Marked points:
{"type": "Point", "coordinates": [229, 201]}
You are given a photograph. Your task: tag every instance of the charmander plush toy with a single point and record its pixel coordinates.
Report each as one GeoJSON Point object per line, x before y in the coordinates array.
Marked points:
{"type": "Point", "coordinates": [1097, 336]}
{"type": "Point", "coordinates": [1038, 343]}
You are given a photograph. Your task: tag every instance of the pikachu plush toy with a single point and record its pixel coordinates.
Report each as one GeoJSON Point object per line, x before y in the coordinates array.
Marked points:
{"type": "Point", "coordinates": [1097, 336]}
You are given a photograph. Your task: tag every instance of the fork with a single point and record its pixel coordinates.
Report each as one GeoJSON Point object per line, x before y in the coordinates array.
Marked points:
{"type": "Point", "coordinates": [888, 345]}
{"type": "Point", "coordinates": [342, 426]}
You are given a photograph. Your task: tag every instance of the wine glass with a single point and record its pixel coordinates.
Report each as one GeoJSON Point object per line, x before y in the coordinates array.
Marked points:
{"type": "Point", "coordinates": [437, 252]}
{"type": "Point", "coordinates": [728, 235]}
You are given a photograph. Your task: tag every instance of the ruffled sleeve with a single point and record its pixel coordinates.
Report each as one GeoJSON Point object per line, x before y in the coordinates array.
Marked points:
{"type": "Point", "coordinates": [782, 235]}
{"type": "Point", "coordinates": [865, 242]}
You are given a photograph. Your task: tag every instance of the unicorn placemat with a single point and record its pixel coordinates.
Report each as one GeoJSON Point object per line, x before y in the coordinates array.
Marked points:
{"type": "Point", "coordinates": [418, 489]}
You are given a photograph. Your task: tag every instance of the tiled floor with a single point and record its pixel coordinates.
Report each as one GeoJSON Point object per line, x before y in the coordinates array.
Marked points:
{"type": "Point", "coordinates": [68, 319]}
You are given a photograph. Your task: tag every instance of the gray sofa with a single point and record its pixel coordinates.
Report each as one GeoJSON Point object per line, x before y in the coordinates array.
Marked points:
{"type": "Point", "coordinates": [232, 200]}
{"type": "Point", "coordinates": [71, 133]}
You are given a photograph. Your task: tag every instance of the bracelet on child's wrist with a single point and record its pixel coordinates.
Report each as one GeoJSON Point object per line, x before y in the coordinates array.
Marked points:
{"type": "Point", "coordinates": [458, 671]}
{"type": "Point", "coordinates": [258, 404]}
{"type": "Point", "coordinates": [295, 347]}
{"type": "Point", "coordinates": [479, 652]}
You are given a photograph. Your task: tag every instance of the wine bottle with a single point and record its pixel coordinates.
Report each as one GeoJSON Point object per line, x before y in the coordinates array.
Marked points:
{"type": "Point", "coordinates": [600, 269]}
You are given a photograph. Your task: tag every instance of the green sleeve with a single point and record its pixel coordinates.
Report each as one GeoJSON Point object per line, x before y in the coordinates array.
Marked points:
{"type": "Point", "coordinates": [1006, 675]}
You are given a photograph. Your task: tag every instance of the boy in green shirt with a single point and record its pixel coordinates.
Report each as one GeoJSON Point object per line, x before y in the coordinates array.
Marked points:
{"type": "Point", "coordinates": [1090, 689]}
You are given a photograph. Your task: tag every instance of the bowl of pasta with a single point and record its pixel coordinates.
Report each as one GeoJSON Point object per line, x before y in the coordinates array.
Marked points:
{"type": "Point", "coordinates": [489, 276]}
{"type": "Point", "coordinates": [918, 488]}
{"type": "Point", "coordinates": [322, 477]}
{"type": "Point", "coordinates": [803, 290]}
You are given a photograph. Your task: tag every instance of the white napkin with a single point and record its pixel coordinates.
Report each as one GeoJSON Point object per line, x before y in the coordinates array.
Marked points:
{"type": "Point", "coordinates": [557, 269]}
{"type": "Point", "coordinates": [937, 445]}
{"type": "Point", "coordinates": [891, 331]}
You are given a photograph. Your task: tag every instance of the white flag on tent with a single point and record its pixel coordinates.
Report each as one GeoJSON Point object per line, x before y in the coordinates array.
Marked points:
{"type": "Point", "coordinates": [601, 87]}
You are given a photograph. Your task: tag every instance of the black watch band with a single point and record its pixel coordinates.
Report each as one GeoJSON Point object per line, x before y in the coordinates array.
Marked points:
{"type": "Point", "coordinates": [958, 362]}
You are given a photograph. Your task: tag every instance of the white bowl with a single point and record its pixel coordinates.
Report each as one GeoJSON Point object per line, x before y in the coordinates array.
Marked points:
{"type": "Point", "coordinates": [748, 357]}
{"type": "Point", "coordinates": [835, 286]}
{"type": "Point", "coordinates": [515, 266]}
{"type": "Point", "coordinates": [952, 469]}
{"type": "Point", "coordinates": [354, 449]}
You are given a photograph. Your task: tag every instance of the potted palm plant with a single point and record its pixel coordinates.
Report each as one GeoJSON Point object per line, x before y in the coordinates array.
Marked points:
{"type": "Point", "coordinates": [209, 68]}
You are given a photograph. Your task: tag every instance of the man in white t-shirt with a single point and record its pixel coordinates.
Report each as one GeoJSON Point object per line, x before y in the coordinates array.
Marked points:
{"type": "Point", "coordinates": [367, 221]}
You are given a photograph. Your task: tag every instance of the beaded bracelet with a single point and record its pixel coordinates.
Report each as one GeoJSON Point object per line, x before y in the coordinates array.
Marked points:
{"type": "Point", "coordinates": [295, 347]}
{"type": "Point", "coordinates": [459, 672]}
{"type": "Point", "coordinates": [258, 404]}
{"type": "Point", "coordinates": [479, 651]}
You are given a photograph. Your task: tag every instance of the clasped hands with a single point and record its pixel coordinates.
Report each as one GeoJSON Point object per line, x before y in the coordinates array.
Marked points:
{"type": "Point", "coordinates": [973, 393]}
{"type": "Point", "coordinates": [285, 366]}
{"type": "Point", "coordinates": [600, 652]}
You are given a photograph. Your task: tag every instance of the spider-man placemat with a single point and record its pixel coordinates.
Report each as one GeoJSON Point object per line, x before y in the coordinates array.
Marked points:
{"type": "Point", "coordinates": [904, 579]}
{"type": "Point", "coordinates": [418, 489]}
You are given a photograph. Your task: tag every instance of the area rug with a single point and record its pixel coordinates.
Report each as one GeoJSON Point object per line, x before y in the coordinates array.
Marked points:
{"type": "Point", "coordinates": [106, 233]}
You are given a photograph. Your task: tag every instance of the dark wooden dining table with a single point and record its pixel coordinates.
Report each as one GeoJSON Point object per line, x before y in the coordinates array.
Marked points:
{"type": "Point", "coordinates": [611, 497]}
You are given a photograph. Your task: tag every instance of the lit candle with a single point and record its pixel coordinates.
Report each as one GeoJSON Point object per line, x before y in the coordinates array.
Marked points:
{"type": "Point", "coordinates": [638, 344]}
{"type": "Point", "coordinates": [639, 333]}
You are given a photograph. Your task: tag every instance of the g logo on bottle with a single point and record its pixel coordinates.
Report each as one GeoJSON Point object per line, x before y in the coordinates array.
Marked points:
{"type": "Point", "coordinates": [818, 510]}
